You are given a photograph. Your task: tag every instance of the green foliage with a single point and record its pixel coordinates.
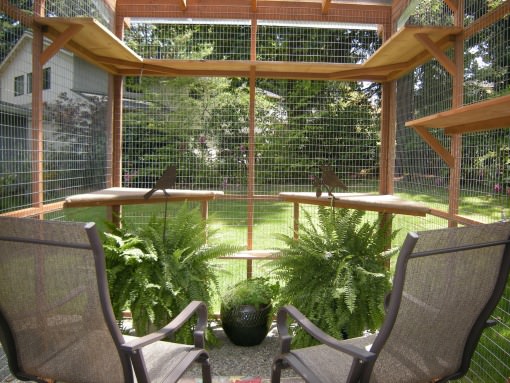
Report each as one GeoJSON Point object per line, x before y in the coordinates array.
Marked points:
{"type": "Point", "coordinates": [336, 272]}
{"type": "Point", "coordinates": [156, 275]}
{"type": "Point", "coordinates": [258, 292]}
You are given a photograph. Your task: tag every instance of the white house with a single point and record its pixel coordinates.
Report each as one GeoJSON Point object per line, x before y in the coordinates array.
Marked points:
{"type": "Point", "coordinates": [63, 73]}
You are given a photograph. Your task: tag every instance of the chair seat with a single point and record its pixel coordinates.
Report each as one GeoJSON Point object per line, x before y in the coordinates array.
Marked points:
{"type": "Point", "coordinates": [321, 360]}
{"type": "Point", "coordinates": [162, 357]}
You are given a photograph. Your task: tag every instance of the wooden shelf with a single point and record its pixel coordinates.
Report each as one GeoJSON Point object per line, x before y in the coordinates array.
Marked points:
{"type": "Point", "coordinates": [363, 201]}
{"type": "Point", "coordinates": [404, 51]}
{"type": "Point", "coordinates": [254, 254]}
{"type": "Point", "coordinates": [484, 115]}
{"type": "Point", "coordinates": [134, 196]}
{"type": "Point", "coordinates": [90, 40]}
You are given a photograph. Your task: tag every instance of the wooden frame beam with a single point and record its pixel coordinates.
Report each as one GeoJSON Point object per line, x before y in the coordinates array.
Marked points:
{"type": "Point", "coordinates": [436, 146]}
{"type": "Point", "coordinates": [325, 6]}
{"type": "Point", "coordinates": [59, 42]}
{"type": "Point", "coordinates": [435, 51]}
{"type": "Point", "coordinates": [452, 4]}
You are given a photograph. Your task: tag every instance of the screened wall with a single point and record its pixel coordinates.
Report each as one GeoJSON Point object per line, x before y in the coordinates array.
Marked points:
{"type": "Point", "coordinates": [202, 125]}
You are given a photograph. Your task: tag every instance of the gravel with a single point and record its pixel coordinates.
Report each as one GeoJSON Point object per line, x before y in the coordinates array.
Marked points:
{"type": "Point", "coordinates": [227, 359]}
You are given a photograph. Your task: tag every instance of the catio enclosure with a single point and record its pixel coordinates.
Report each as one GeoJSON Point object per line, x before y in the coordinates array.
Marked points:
{"type": "Point", "coordinates": [248, 99]}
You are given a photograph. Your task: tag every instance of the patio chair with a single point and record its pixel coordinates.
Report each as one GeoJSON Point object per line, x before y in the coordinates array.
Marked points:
{"type": "Point", "coordinates": [446, 284]}
{"type": "Point", "coordinates": [56, 320]}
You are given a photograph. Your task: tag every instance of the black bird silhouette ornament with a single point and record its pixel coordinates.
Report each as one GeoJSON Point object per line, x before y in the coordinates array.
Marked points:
{"type": "Point", "coordinates": [166, 181]}
{"type": "Point", "coordinates": [330, 180]}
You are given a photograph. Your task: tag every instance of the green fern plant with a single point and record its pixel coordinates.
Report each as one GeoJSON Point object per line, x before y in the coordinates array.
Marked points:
{"type": "Point", "coordinates": [336, 272]}
{"type": "Point", "coordinates": [156, 275]}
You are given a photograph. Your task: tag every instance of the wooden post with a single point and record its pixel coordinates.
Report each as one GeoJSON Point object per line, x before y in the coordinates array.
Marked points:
{"type": "Point", "coordinates": [388, 143]}
{"type": "Point", "coordinates": [251, 149]}
{"type": "Point", "coordinates": [116, 130]}
{"type": "Point", "coordinates": [296, 220]}
{"type": "Point", "coordinates": [388, 129]}
{"type": "Point", "coordinates": [251, 140]}
{"type": "Point", "coordinates": [457, 101]}
{"type": "Point", "coordinates": [37, 112]}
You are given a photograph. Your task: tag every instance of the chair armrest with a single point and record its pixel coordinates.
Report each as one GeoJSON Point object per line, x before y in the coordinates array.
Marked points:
{"type": "Point", "coordinates": [317, 333]}
{"type": "Point", "coordinates": [197, 307]}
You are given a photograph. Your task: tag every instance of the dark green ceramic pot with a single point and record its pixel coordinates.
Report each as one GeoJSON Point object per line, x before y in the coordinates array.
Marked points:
{"type": "Point", "coordinates": [245, 325]}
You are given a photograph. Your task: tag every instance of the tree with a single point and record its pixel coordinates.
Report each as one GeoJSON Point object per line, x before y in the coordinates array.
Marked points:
{"type": "Point", "coordinates": [75, 143]}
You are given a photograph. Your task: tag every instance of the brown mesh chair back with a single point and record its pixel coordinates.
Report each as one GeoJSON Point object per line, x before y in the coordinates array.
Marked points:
{"type": "Point", "coordinates": [50, 305]}
{"type": "Point", "coordinates": [444, 292]}
{"type": "Point", "coordinates": [56, 320]}
{"type": "Point", "coordinates": [447, 283]}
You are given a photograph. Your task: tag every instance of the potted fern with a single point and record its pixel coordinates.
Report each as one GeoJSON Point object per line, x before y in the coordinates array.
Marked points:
{"type": "Point", "coordinates": [246, 310]}
{"type": "Point", "coordinates": [155, 276]}
{"type": "Point", "coordinates": [336, 272]}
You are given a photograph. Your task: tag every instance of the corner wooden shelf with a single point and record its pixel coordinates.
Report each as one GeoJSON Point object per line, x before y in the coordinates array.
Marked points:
{"type": "Point", "coordinates": [90, 40]}
{"type": "Point", "coordinates": [408, 48]}
{"type": "Point", "coordinates": [485, 115]}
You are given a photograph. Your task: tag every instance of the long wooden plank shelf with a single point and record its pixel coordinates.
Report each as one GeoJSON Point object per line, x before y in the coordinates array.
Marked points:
{"type": "Point", "coordinates": [484, 115]}
{"type": "Point", "coordinates": [254, 254]}
{"type": "Point", "coordinates": [362, 201]}
{"type": "Point", "coordinates": [134, 196]}
{"type": "Point", "coordinates": [90, 40]}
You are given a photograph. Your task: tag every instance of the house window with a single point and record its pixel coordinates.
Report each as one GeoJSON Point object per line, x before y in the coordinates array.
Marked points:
{"type": "Point", "coordinates": [29, 83]}
{"type": "Point", "coordinates": [46, 78]}
{"type": "Point", "coordinates": [19, 85]}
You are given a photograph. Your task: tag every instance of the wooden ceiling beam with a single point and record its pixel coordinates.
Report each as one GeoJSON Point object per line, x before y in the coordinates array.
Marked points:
{"type": "Point", "coordinates": [325, 6]}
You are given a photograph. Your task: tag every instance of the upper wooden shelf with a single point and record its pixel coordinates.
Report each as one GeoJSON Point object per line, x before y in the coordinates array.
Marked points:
{"type": "Point", "coordinates": [484, 115]}
{"type": "Point", "coordinates": [90, 40]}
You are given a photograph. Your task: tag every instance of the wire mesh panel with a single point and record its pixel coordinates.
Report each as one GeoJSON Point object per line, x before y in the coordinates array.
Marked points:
{"type": "Point", "coordinates": [203, 125]}
{"type": "Point", "coordinates": [218, 40]}
{"type": "Point", "coordinates": [316, 42]}
{"type": "Point", "coordinates": [65, 152]}
{"type": "Point", "coordinates": [483, 182]}
{"type": "Point", "coordinates": [426, 12]}
{"type": "Point", "coordinates": [486, 56]}
{"type": "Point", "coordinates": [100, 10]}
